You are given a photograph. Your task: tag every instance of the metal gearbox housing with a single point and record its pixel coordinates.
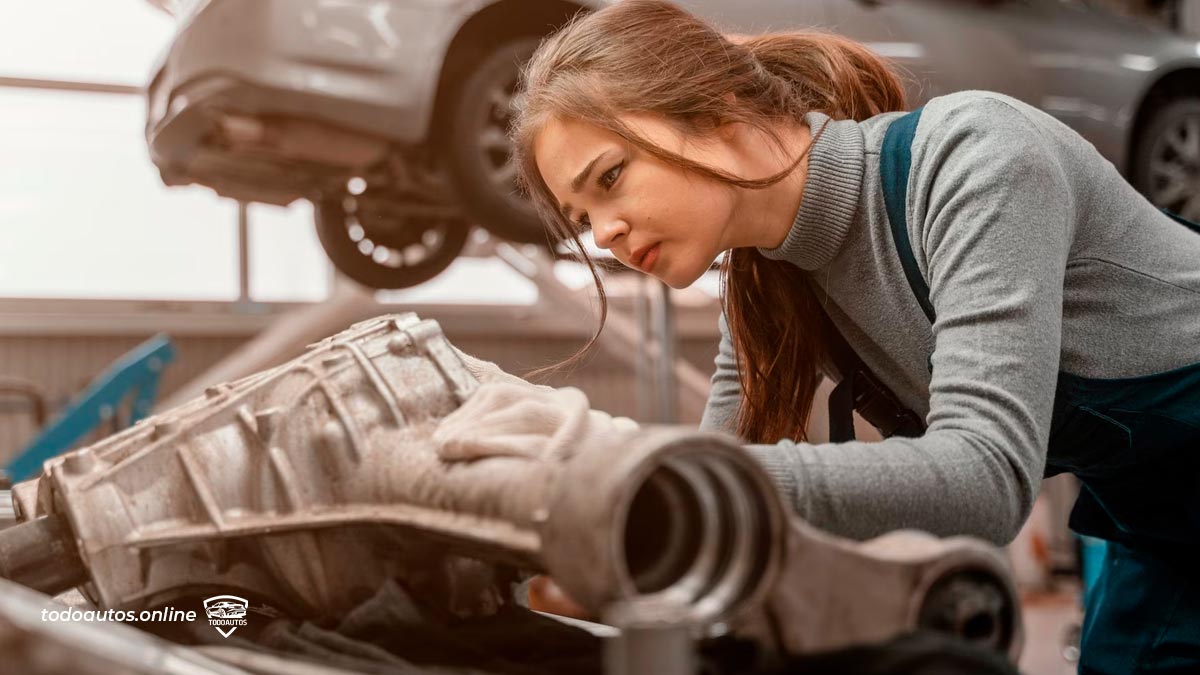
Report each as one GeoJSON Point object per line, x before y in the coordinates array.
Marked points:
{"type": "Point", "coordinates": [310, 484]}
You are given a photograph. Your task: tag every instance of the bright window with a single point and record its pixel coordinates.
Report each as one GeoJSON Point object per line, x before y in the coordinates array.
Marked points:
{"type": "Point", "coordinates": [114, 41]}
{"type": "Point", "coordinates": [286, 260]}
{"type": "Point", "coordinates": [84, 214]}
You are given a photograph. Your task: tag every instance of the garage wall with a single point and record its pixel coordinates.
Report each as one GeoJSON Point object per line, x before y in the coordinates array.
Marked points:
{"type": "Point", "coordinates": [63, 365]}
{"type": "Point", "coordinates": [62, 356]}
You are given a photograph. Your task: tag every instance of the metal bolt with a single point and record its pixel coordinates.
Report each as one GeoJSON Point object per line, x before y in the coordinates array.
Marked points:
{"type": "Point", "coordinates": [399, 344]}
{"type": "Point", "coordinates": [332, 436]}
{"type": "Point", "coordinates": [265, 422]}
{"type": "Point", "coordinates": [80, 462]}
{"type": "Point", "coordinates": [165, 428]}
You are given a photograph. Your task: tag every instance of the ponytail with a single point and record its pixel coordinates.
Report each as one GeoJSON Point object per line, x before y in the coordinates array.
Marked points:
{"type": "Point", "coordinates": [775, 321]}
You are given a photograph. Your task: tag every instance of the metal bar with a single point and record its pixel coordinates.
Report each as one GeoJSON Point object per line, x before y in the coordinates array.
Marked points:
{"type": "Point", "coordinates": [70, 85]}
{"type": "Point", "coordinates": [41, 554]}
{"type": "Point", "coordinates": [668, 386]}
{"type": "Point", "coordinates": [243, 223]}
{"type": "Point", "coordinates": [30, 391]}
{"type": "Point", "coordinates": [643, 373]}
{"type": "Point", "coordinates": [649, 643]}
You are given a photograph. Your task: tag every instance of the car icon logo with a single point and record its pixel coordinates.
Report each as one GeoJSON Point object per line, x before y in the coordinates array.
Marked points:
{"type": "Point", "coordinates": [226, 613]}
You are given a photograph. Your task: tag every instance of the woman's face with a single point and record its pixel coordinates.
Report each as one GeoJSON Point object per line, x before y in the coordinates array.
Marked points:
{"type": "Point", "coordinates": [653, 216]}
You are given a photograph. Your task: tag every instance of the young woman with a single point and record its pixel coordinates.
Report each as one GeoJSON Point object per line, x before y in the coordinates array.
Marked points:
{"type": "Point", "coordinates": [1035, 312]}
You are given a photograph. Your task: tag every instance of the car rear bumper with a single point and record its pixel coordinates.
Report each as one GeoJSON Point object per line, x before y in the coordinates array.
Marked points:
{"type": "Point", "coordinates": [212, 140]}
{"type": "Point", "coordinates": [366, 72]}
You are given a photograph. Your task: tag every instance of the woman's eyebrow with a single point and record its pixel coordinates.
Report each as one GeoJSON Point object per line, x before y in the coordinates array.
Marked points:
{"type": "Point", "coordinates": [579, 180]}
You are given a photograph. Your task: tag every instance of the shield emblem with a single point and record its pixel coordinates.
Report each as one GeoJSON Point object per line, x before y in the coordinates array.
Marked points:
{"type": "Point", "coordinates": [226, 613]}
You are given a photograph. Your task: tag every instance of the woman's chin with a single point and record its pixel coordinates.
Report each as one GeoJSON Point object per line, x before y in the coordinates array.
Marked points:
{"type": "Point", "coordinates": [678, 279]}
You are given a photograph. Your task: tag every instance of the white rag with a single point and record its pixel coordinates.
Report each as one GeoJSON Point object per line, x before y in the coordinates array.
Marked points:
{"type": "Point", "coordinates": [507, 416]}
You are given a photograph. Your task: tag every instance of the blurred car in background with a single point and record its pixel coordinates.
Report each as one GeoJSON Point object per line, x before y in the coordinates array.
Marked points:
{"type": "Point", "coordinates": [391, 115]}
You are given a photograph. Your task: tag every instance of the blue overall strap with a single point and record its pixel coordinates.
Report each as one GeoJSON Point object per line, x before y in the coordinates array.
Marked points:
{"type": "Point", "coordinates": [895, 163]}
{"type": "Point", "coordinates": [1191, 225]}
{"type": "Point", "coordinates": [859, 388]}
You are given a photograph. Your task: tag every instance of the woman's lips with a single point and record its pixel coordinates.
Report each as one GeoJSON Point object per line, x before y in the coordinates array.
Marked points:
{"type": "Point", "coordinates": [649, 259]}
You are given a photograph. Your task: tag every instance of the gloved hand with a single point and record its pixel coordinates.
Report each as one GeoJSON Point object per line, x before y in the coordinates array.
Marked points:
{"type": "Point", "coordinates": [517, 419]}
{"type": "Point", "coordinates": [486, 371]}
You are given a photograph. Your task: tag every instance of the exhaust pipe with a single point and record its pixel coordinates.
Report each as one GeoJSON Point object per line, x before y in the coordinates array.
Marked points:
{"type": "Point", "coordinates": [680, 520]}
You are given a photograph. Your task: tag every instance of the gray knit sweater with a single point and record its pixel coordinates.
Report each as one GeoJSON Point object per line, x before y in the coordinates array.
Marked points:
{"type": "Point", "coordinates": [1039, 258]}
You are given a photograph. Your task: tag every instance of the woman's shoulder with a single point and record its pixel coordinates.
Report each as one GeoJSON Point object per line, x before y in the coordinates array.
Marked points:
{"type": "Point", "coordinates": [980, 109]}
{"type": "Point", "coordinates": [968, 117]}
{"type": "Point", "coordinates": [977, 123]}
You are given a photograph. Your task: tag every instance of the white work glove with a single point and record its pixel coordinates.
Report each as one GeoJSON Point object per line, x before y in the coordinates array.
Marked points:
{"type": "Point", "coordinates": [486, 371]}
{"type": "Point", "coordinates": [503, 418]}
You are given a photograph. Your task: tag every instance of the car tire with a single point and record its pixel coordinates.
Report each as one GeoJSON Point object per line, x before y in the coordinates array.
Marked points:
{"type": "Point", "coordinates": [1166, 163]}
{"type": "Point", "coordinates": [415, 247]}
{"type": "Point", "coordinates": [474, 141]}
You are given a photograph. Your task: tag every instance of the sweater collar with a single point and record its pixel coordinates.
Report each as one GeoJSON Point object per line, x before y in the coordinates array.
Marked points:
{"type": "Point", "coordinates": [831, 192]}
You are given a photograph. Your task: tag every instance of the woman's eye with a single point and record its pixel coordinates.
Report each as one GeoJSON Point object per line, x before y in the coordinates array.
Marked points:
{"type": "Point", "coordinates": [609, 178]}
{"type": "Point", "coordinates": [606, 181]}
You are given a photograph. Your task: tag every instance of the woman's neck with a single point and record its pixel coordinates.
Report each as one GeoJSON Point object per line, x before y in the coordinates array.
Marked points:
{"type": "Point", "coordinates": [765, 216]}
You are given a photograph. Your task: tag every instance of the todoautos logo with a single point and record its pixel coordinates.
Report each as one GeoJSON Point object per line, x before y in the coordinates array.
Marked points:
{"type": "Point", "coordinates": [226, 613]}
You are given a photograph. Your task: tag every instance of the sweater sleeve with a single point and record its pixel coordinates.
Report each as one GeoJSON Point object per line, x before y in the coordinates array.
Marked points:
{"type": "Point", "coordinates": [989, 217]}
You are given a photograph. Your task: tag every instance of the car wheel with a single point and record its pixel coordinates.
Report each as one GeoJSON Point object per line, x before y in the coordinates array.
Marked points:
{"type": "Point", "coordinates": [382, 240]}
{"type": "Point", "coordinates": [478, 154]}
{"type": "Point", "coordinates": [1167, 163]}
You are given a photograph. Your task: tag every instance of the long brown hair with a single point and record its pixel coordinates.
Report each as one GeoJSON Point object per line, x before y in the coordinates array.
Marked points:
{"type": "Point", "coordinates": [651, 56]}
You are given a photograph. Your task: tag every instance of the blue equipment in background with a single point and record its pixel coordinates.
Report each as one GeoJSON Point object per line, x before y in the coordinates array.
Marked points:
{"type": "Point", "coordinates": [135, 374]}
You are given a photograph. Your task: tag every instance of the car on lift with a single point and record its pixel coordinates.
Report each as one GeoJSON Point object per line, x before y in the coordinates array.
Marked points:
{"type": "Point", "coordinates": [391, 115]}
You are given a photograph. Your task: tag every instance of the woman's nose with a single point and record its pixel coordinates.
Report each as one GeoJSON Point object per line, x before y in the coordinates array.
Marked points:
{"type": "Point", "coordinates": [606, 231]}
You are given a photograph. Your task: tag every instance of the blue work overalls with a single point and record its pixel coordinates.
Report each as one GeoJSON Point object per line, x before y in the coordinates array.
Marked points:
{"type": "Point", "coordinates": [1134, 444]}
